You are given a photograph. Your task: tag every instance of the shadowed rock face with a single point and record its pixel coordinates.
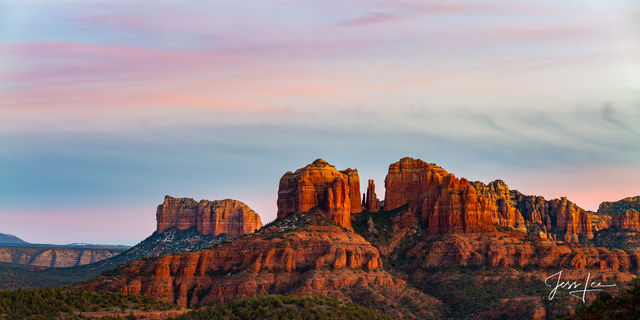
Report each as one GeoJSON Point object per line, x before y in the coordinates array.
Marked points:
{"type": "Point", "coordinates": [618, 207]}
{"type": "Point", "coordinates": [371, 202]}
{"type": "Point", "coordinates": [209, 217]}
{"type": "Point", "coordinates": [504, 208]}
{"type": "Point", "coordinates": [320, 185]}
{"type": "Point", "coordinates": [443, 202]}
{"type": "Point", "coordinates": [625, 214]}
{"type": "Point", "coordinates": [628, 220]}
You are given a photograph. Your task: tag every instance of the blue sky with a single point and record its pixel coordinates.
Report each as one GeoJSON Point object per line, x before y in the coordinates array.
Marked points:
{"type": "Point", "coordinates": [106, 106]}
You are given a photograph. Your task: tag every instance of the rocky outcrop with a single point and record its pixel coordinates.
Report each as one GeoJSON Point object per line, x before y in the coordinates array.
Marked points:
{"type": "Point", "coordinates": [298, 254]}
{"type": "Point", "coordinates": [549, 218]}
{"type": "Point", "coordinates": [570, 219]}
{"type": "Point", "coordinates": [54, 256]}
{"type": "Point", "coordinates": [209, 217]}
{"type": "Point", "coordinates": [443, 202]}
{"type": "Point", "coordinates": [371, 202]}
{"type": "Point", "coordinates": [623, 214]}
{"type": "Point", "coordinates": [320, 185]}
{"type": "Point", "coordinates": [353, 179]}
{"type": "Point", "coordinates": [618, 207]}
{"type": "Point", "coordinates": [534, 209]}
{"type": "Point", "coordinates": [599, 221]}
{"type": "Point", "coordinates": [434, 261]}
{"type": "Point", "coordinates": [628, 220]}
{"type": "Point", "coordinates": [499, 197]}
{"type": "Point", "coordinates": [460, 250]}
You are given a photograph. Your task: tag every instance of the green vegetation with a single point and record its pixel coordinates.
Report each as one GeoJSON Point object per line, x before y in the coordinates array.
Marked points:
{"type": "Point", "coordinates": [286, 308]}
{"type": "Point", "coordinates": [614, 238]}
{"type": "Point", "coordinates": [13, 276]}
{"type": "Point", "coordinates": [469, 291]}
{"type": "Point", "coordinates": [623, 306]}
{"type": "Point", "coordinates": [58, 303]}
{"type": "Point", "coordinates": [377, 227]}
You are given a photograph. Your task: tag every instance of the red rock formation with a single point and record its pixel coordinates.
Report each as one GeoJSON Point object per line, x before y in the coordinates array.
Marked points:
{"type": "Point", "coordinates": [499, 196]}
{"type": "Point", "coordinates": [371, 202]}
{"type": "Point", "coordinates": [570, 219]}
{"type": "Point", "coordinates": [444, 202]}
{"type": "Point", "coordinates": [511, 251]}
{"type": "Point", "coordinates": [629, 220]}
{"type": "Point", "coordinates": [209, 217]}
{"type": "Point", "coordinates": [559, 216]}
{"type": "Point", "coordinates": [290, 256]}
{"type": "Point", "coordinates": [320, 185]}
{"type": "Point", "coordinates": [599, 222]}
{"type": "Point", "coordinates": [622, 214]}
{"type": "Point", "coordinates": [533, 208]}
{"type": "Point", "coordinates": [353, 180]}
{"type": "Point", "coordinates": [618, 207]}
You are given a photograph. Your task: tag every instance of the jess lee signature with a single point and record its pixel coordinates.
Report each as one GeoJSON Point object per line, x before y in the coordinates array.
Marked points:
{"type": "Point", "coordinates": [575, 288]}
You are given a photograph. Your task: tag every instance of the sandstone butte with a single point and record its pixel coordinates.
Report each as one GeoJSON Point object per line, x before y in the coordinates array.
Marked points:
{"type": "Point", "coordinates": [443, 202]}
{"type": "Point", "coordinates": [209, 217]}
{"type": "Point", "coordinates": [320, 185]}
{"type": "Point", "coordinates": [302, 254]}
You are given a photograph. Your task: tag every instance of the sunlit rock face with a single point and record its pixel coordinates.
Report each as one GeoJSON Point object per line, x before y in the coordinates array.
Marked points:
{"type": "Point", "coordinates": [209, 217]}
{"type": "Point", "coordinates": [321, 185]}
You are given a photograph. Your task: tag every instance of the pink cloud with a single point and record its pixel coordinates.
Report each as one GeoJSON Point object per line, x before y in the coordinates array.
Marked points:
{"type": "Point", "coordinates": [372, 19]}
{"type": "Point", "coordinates": [572, 32]}
{"type": "Point", "coordinates": [466, 7]}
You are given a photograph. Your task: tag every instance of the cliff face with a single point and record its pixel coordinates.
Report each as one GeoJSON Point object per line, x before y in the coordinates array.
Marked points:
{"type": "Point", "coordinates": [54, 256]}
{"type": "Point", "coordinates": [503, 206]}
{"type": "Point", "coordinates": [500, 251]}
{"type": "Point", "coordinates": [570, 219]}
{"type": "Point", "coordinates": [209, 217]}
{"type": "Point", "coordinates": [618, 207]}
{"type": "Point", "coordinates": [443, 202]}
{"type": "Point", "coordinates": [557, 216]}
{"type": "Point", "coordinates": [298, 254]}
{"type": "Point", "coordinates": [320, 185]}
{"type": "Point", "coordinates": [353, 179]}
{"type": "Point", "coordinates": [371, 202]}
{"type": "Point", "coordinates": [623, 214]}
{"type": "Point", "coordinates": [628, 220]}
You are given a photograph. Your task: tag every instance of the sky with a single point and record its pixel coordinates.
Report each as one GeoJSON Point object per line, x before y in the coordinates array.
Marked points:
{"type": "Point", "coordinates": [107, 106]}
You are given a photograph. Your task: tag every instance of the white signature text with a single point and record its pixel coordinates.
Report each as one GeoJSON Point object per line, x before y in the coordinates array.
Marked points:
{"type": "Point", "coordinates": [575, 288]}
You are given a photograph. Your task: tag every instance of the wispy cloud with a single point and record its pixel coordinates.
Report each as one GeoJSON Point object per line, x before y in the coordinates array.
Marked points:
{"type": "Point", "coordinates": [105, 100]}
{"type": "Point", "coordinates": [369, 19]}
{"type": "Point", "coordinates": [608, 113]}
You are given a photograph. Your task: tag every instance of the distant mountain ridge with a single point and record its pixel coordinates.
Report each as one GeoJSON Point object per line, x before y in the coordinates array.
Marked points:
{"type": "Point", "coordinates": [10, 239]}
{"type": "Point", "coordinates": [61, 257]}
{"type": "Point", "coordinates": [184, 225]}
